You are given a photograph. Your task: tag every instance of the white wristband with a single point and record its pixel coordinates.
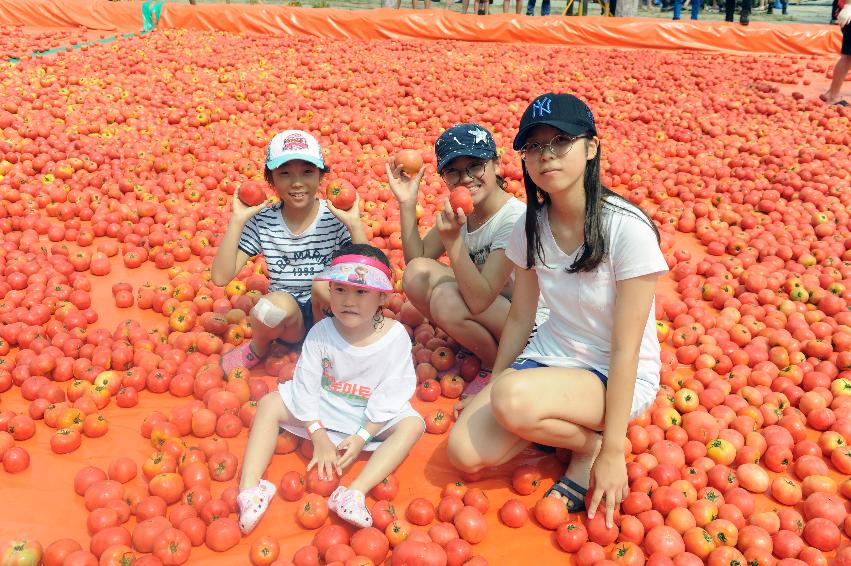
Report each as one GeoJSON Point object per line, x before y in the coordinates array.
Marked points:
{"type": "Point", "coordinates": [363, 433]}
{"type": "Point", "coordinates": [314, 427]}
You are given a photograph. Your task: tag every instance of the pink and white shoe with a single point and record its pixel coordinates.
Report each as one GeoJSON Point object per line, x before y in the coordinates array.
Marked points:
{"type": "Point", "coordinates": [241, 356]}
{"type": "Point", "coordinates": [351, 507]}
{"type": "Point", "coordinates": [334, 499]}
{"type": "Point", "coordinates": [253, 503]}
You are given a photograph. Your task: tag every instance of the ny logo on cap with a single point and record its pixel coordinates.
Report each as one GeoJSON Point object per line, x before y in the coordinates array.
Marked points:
{"type": "Point", "coordinates": [541, 107]}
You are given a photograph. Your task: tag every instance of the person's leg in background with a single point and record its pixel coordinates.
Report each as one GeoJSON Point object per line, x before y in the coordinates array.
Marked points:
{"type": "Point", "coordinates": [678, 7]}
{"type": "Point", "coordinates": [834, 10]}
{"type": "Point", "coordinates": [744, 18]}
{"type": "Point", "coordinates": [530, 8]}
{"type": "Point", "coordinates": [695, 9]}
{"type": "Point", "coordinates": [545, 7]}
{"type": "Point", "coordinates": [730, 10]}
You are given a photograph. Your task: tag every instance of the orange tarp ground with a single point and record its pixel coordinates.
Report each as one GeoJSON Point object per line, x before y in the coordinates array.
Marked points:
{"type": "Point", "coordinates": [433, 24]}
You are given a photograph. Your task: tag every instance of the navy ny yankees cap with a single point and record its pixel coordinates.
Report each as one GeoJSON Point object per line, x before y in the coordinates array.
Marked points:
{"type": "Point", "coordinates": [564, 112]}
{"type": "Point", "coordinates": [467, 140]}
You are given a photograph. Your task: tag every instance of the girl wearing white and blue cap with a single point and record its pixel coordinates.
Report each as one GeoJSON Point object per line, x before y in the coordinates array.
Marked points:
{"type": "Point", "coordinates": [594, 364]}
{"type": "Point", "coordinates": [296, 236]}
{"type": "Point", "coordinates": [470, 298]}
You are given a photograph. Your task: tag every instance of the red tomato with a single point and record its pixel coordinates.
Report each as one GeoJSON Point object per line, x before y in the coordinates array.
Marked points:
{"type": "Point", "coordinates": [414, 553]}
{"type": "Point", "coordinates": [526, 479]}
{"type": "Point", "coordinates": [475, 497]}
{"type": "Point", "coordinates": [822, 534]}
{"type": "Point", "coordinates": [222, 534]}
{"type": "Point", "coordinates": [438, 421]}
{"type": "Point", "coordinates": [341, 194]}
{"type": "Point", "coordinates": [330, 535]}
{"type": "Point", "coordinates": [410, 161]}
{"type": "Point", "coordinates": [571, 536]}
{"type": "Point", "coordinates": [550, 512]}
{"type": "Point", "coordinates": [264, 551]}
{"type": "Point", "coordinates": [383, 513]}
{"type": "Point", "coordinates": [251, 193]}
{"type": "Point", "coordinates": [420, 512]}
{"type": "Point", "coordinates": [513, 513]}
{"type": "Point", "coordinates": [386, 488]}
{"type": "Point", "coordinates": [292, 486]}
{"type": "Point", "coordinates": [460, 197]}
{"type": "Point", "coordinates": [320, 486]}
{"type": "Point", "coordinates": [16, 460]}
{"type": "Point", "coordinates": [448, 507]}
{"type": "Point", "coordinates": [56, 551]}
{"type": "Point", "coordinates": [172, 547]}
{"type": "Point", "coordinates": [471, 525]}
{"type": "Point", "coordinates": [372, 543]}
{"type": "Point", "coordinates": [313, 512]}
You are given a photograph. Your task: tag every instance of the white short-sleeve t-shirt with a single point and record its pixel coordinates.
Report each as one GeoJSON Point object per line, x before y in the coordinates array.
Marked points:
{"type": "Point", "coordinates": [494, 235]}
{"type": "Point", "coordinates": [578, 332]}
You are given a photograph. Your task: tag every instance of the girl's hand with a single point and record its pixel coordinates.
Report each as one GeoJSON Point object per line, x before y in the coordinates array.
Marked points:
{"type": "Point", "coordinates": [608, 477]}
{"type": "Point", "coordinates": [348, 217]}
{"type": "Point", "coordinates": [844, 17]}
{"type": "Point", "coordinates": [449, 223]}
{"type": "Point", "coordinates": [351, 448]}
{"type": "Point", "coordinates": [324, 458]}
{"type": "Point", "coordinates": [241, 211]}
{"type": "Point", "coordinates": [405, 188]}
{"type": "Point", "coordinates": [459, 406]}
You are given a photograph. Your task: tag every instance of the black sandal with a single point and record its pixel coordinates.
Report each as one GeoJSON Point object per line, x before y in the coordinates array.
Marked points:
{"type": "Point", "coordinates": [563, 486]}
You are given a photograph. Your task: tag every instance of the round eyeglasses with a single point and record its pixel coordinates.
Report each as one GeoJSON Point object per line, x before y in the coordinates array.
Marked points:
{"type": "Point", "coordinates": [475, 170]}
{"type": "Point", "coordinates": [558, 146]}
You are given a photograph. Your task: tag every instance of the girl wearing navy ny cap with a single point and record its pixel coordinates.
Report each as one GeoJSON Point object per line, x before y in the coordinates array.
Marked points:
{"type": "Point", "coordinates": [470, 298]}
{"type": "Point", "coordinates": [594, 364]}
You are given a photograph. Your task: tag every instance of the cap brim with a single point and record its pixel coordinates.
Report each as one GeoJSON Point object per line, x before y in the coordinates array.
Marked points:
{"type": "Point", "coordinates": [278, 161]}
{"type": "Point", "coordinates": [464, 152]}
{"type": "Point", "coordinates": [566, 127]}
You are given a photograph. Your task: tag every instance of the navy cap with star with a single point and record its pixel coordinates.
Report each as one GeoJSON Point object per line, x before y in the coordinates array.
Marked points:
{"type": "Point", "coordinates": [464, 140]}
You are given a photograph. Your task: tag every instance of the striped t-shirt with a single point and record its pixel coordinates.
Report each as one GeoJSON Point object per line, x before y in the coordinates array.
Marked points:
{"type": "Point", "coordinates": [293, 260]}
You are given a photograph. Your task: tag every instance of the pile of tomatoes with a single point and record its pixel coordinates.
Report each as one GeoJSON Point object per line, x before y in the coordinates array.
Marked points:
{"type": "Point", "coordinates": [124, 156]}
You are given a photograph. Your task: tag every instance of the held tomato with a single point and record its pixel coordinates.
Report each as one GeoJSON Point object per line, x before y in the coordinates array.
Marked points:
{"type": "Point", "coordinates": [410, 161]}
{"type": "Point", "coordinates": [251, 193]}
{"type": "Point", "coordinates": [341, 194]}
{"type": "Point", "coordinates": [460, 197]}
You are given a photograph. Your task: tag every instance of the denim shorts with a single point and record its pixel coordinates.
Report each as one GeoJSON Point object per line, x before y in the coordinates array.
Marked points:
{"type": "Point", "coordinates": [524, 363]}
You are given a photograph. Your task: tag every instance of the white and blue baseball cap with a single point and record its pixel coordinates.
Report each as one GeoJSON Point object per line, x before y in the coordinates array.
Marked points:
{"type": "Point", "coordinates": [467, 140]}
{"type": "Point", "coordinates": [293, 144]}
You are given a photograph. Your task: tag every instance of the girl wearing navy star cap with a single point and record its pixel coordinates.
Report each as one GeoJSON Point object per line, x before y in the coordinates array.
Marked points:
{"type": "Point", "coordinates": [470, 298]}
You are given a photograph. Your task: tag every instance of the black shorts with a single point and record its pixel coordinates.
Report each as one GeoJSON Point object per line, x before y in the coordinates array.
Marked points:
{"type": "Point", "coordinates": [306, 309]}
{"type": "Point", "coordinates": [846, 40]}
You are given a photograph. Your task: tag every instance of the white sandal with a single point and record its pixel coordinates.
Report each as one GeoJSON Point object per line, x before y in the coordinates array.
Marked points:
{"type": "Point", "coordinates": [253, 503]}
{"type": "Point", "coordinates": [351, 507]}
{"type": "Point", "coordinates": [334, 499]}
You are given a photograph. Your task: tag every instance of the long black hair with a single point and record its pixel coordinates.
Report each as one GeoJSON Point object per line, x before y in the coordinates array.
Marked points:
{"type": "Point", "coordinates": [597, 197]}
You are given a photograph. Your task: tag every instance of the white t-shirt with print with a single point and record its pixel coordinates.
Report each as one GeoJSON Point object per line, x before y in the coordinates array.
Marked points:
{"type": "Point", "coordinates": [578, 332]}
{"type": "Point", "coordinates": [494, 235]}
{"type": "Point", "coordinates": [344, 385]}
{"type": "Point", "coordinates": [293, 260]}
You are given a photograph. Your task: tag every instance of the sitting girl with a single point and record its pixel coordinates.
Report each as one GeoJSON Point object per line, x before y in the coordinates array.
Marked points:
{"type": "Point", "coordinates": [470, 298]}
{"type": "Point", "coordinates": [594, 365]}
{"type": "Point", "coordinates": [350, 392]}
